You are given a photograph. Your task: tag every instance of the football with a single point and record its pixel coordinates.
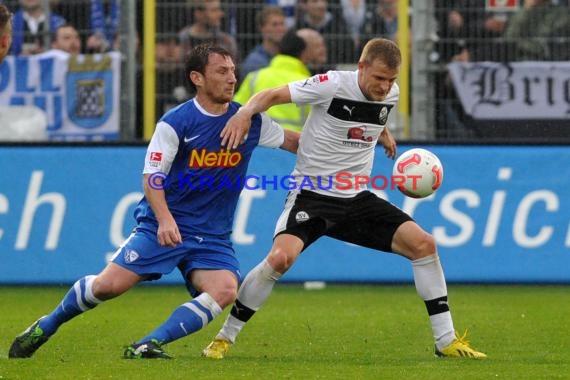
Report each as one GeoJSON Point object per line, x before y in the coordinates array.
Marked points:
{"type": "Point", "coordinates": [422, 171]}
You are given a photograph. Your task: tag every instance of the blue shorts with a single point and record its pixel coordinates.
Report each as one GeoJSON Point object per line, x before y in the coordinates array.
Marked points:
{"type": "Point", "coordinates": [142, 254]}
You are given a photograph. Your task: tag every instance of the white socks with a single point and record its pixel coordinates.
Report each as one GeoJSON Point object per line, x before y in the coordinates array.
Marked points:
{"type": "Point", "coordinates": [252, 294]}
{"type": "Point", "coordinates": [431, 287]}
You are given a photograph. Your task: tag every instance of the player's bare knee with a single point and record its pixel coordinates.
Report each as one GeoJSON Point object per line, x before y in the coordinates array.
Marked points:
{"type": "Point", "coordinates": [280, 259]}
{"type": "Point", "coordinates": [226, 296]}
{"type": "Point", "coordinates": [424, 246]}
{"type": "Point", "coordinates": [104, 289]}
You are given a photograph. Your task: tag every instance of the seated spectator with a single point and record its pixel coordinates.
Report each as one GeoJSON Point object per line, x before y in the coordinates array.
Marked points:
{"type": "Point", "coordinates": [452, 122]}
{"type": "Point", "coordinates": [354, 14]}
{"type": "Point", "coordinates": [468, 18]}
{"type": "Point", "coordinates": [169, 73]}
{"type": "Point", "coordinates": [170, 90]}
{"type": "Point", "coordinates": [30, 28]}
{"type": "Point", "coordinates": [381, 21]}
{"type": "Point", "coordinates": [97, 22]}
{"type": "Point", "coordinates": [332, 27]}
{"type": "Point", "coordinates": [5, 31]}
{"type": "Point", "coordinates": [540, 31]}
{"type": "Point", "coordinates": [168, 50]}
{"type": "Point", "coordinates": [66, 38]}
{"type": "Point", "coordinates": [298, 50]}
{"type": "Point", "coordinates": [289, 8]}
{"type": "Point", "coordinates": [168, 53]}
{"type": "Point", "coordinates": [315, 56]}
{"type": "Point", "coordinates": [207, 27]}
{"type": "Point", "coordinates": [468, 24]}
{"type": "Point", "coordinates": [271, 25]}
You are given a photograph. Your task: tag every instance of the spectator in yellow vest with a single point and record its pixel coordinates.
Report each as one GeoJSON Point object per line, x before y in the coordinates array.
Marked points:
{"type": "Point", "coordinates": [299, 50]}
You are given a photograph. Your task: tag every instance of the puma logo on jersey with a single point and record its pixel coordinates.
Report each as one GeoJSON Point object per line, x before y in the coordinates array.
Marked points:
{"type": "Point", "coordinates": [349, 110]}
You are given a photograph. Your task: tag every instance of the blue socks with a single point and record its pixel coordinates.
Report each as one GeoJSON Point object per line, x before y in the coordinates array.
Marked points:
{"type": "Point", "coordinates": [77, 300]}
{"type": "Point", "coordinates": [186, 319]}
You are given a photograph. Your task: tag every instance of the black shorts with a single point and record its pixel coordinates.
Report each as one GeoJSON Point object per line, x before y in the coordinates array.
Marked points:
{"type": "Point", "coordinates": [365, 219]}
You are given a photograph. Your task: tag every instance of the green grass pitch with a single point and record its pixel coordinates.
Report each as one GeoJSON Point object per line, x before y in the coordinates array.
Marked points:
{"type": "Point", "coordinates": [340, 332]}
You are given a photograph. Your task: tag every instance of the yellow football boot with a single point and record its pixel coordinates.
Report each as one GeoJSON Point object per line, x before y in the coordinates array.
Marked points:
{"type": "Point", "coordinates": [217, 349]}
{"type": "Point", "coordinates": [459, 348]}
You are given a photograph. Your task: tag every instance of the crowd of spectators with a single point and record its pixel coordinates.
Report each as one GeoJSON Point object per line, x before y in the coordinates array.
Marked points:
{"type": "Point", "coordinates": [467, 30]}
{"type": "Point", "coordinates": [252, 31]}
{"type": "Point", "coordinates": [528, 30]}
{"type": "Point", "coordinates": [35, 26]}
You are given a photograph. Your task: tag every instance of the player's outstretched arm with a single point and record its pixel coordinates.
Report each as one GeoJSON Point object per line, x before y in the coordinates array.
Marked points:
{"type": "Point", "coordinates": [168, 233]}
{"type": "Point", "coordinates": [237, 127]}
{"type": "Point", "coordinates": [291, 141]}
{"type": "Point", "coordinates": [389, 143]}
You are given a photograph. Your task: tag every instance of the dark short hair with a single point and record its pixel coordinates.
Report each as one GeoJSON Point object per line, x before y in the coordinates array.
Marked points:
{"type": "Point", "coordinates": [5, 17]}
{"type": "Point", "coordinates": [198, 59]}
{"type": "Point", "coordinates": [291, 44]}
{"type": "Point", "coordinates": [56, 30]}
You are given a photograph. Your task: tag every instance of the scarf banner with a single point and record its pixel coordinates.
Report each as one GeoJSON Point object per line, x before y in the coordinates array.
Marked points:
{"type": "Point", "coordinates": [515, 90]}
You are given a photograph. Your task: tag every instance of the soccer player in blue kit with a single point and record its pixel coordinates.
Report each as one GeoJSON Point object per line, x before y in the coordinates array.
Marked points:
{"type": "Point", "coordinates": [191, 185]}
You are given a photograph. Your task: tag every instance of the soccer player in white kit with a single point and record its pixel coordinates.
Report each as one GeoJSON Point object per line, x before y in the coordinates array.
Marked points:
{"type": "Point", "coordinates": [348, 116]}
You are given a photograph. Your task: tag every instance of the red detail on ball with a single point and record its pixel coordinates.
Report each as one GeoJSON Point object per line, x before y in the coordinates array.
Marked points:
{"type": "Point", "coordinates": [414, 159]}
{"type": "Point", "coordinates": [436, 170]}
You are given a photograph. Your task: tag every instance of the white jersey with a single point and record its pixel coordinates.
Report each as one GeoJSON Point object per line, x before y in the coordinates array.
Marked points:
{"type": "Point", "coordinates": [339, 137]}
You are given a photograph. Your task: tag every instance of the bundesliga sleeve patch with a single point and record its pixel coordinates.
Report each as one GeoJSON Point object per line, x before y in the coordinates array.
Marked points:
{"type": "Point", "coordinates": [155, 159]}
{"type": "Point", "coordinates": [315, 80]}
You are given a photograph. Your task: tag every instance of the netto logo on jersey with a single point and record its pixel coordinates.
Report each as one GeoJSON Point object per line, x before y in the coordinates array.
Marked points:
{"type": "Point", "coordinates": [222, 159]}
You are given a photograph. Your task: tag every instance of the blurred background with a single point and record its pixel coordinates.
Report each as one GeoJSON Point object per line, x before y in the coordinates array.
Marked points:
{"type": "Point", "coordinates": [448, 94]}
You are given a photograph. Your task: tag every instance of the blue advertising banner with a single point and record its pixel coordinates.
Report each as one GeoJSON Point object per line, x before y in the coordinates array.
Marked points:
{"type": "Point", "coordinates": [501, 215]}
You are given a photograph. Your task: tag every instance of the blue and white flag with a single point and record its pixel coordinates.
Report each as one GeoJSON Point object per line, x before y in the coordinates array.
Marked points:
{"type": "Point", "coordinates": [79, 94]}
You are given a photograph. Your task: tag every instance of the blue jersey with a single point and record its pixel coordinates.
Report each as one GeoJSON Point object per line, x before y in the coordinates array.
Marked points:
{"type": "Point", "coordinates": [204, 179]}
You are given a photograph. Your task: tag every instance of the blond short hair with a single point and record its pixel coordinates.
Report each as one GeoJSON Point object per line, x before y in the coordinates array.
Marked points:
{"type": "Point", "coordinates": [384, 50]}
